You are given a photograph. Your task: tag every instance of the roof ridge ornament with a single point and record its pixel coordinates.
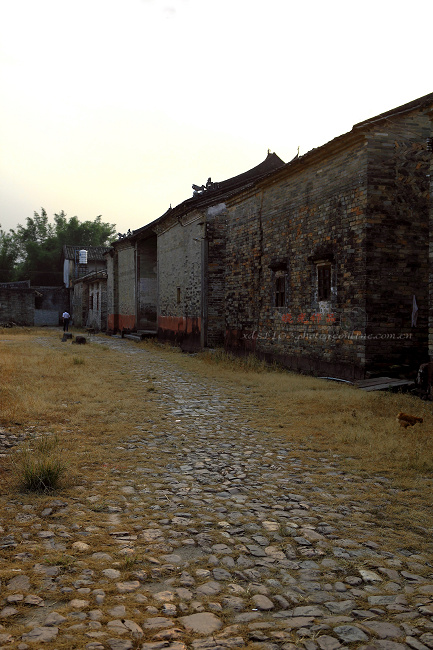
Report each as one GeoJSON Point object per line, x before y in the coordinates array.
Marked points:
{"type": "Point", "coordinates": [199, 189]}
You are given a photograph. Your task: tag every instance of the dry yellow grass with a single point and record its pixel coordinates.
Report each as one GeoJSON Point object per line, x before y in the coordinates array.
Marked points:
{"type": "Point", "coordinates": [91, 387]}
{"type": "Point", "coordinates": [329, 415]}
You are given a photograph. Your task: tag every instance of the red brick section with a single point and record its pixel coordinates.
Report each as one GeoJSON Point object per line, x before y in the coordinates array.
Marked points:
{"type": "Point", "coordinates": [183, 331]}
{"type": "Point", "coordinates": [121, 322]}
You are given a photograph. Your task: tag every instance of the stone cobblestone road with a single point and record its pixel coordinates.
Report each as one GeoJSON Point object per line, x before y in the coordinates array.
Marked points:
{"type": "Point", "coordinates": [246, 547]}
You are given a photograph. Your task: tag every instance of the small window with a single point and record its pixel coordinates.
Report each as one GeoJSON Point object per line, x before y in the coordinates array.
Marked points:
{"type": "Point", "coordinates": [178, 295]}
{"type": "Point", "coordinates": [91, 301]}
{"type": "Point", "coordinates": [280, 290]}
{"type": "Point", "coordinates": [324, 282]}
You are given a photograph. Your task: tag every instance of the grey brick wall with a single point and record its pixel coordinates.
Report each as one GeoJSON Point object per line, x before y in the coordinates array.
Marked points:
{"type": "Point", "coordinates": [313, 211]}
{"type": "Point", "coordinates": [362, 205]}
{"type": "Point", "coordinates": [147, 284]}
{"type": "Point", "coordinates": [17, 305]}
{"type": "Point", "coordinates": [397, 243]}
{"type": "Point", "coordinates": [180, 273]}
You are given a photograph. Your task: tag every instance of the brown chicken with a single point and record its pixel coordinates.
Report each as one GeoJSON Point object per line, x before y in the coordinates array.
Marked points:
{"type": "Point", "coordinates": [406, 420]}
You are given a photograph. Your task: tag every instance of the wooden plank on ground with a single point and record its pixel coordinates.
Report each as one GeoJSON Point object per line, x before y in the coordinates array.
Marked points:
{"type": "Point", "coordinates": [382, 383]}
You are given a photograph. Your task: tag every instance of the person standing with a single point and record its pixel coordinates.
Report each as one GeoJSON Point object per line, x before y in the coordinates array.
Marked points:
{"type": "Point", "coordinates": [66, 317]}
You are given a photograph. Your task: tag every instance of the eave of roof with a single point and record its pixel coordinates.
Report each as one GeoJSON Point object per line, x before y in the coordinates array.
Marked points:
{"type": "Point", "coordinates": [425, 100]}
{"type": "Point", "coordinates": [94, 253]}
{"type": "Point", "coordinates": [356, 134]}
{"type": "Point", "coordinates": [220, 191]}
{"type": "Point", "coordinates": [248, 180]}
{"type": "Point", "coordinates": [91, 277]}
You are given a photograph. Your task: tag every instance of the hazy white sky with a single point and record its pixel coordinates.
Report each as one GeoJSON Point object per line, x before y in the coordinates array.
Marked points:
{"type": "Point", "coordinates": [116, 107]}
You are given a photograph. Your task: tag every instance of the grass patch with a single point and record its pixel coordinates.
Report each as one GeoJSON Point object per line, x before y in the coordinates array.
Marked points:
{"type": "Point", "coordinates": [229, 361]}
{"type": "Point", "coordinates": [41, 474]}
{"type": "Point", "coordinates": [41, 465]}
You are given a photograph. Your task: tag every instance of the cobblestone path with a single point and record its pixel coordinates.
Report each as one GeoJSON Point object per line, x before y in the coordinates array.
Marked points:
{"type": "Point", "coordinates": [246, 547]}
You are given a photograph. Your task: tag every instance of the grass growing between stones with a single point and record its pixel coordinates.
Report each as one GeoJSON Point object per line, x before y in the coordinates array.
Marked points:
{"type": "Point", "coordinates": [89, 398]}
{"type": "Point", "coordinates": [88, 403]}
{"type": "Point", "coordinates": [326, 415]}
{"type": "Point", "coordinates": [41, 474]}
{"type": "Point", "coordinates": [355, 427]}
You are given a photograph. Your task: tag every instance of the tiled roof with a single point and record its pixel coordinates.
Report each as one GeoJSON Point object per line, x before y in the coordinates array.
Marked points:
{"type": "Point", "coordinates": [19, 284]}
{"type": "Point", "coordinates": [220, 190]}
{"type": "Point", "coordinates": [271, 162]}
{"type": "Point", "coordinates": [405, 108]}
{"type": "Point", "coordinates": [271, 167]}
{"type": "Point", "coordinates": [91, 277]}
{"type": "Point", "coordinates": [94, 253]}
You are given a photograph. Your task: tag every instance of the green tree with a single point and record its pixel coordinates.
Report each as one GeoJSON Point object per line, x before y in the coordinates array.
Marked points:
{"type": "Point", "coordinates": [86, 233]}
{"type": "Point", "coordinates": [40, 244]}
{"type": "Point", "coordinates": [8, 257]}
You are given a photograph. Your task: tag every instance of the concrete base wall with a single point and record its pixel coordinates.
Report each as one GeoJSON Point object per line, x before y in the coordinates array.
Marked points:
{"type": "Point", "coordinates": [46, 317]}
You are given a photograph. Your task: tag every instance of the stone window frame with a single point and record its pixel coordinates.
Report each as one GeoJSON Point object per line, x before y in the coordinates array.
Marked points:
{"type": "Point", "coordinates": [279, 284]}
{"type": "Point", "coordinates": [324, 281]}
{"type": "Point", "coordinates": [320, 260]}
{"type": "Point", "coordinates": [280, 289]}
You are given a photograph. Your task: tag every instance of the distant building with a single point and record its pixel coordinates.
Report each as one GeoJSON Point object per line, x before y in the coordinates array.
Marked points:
{"type": "Point", "coordinates": [75, 266]}
{"type": "Point", "coordinates": [89, 301]}
{"type": "Point", "coordinates": [22, 304]}
{"type": "Point", "coordinates": [168, 277]}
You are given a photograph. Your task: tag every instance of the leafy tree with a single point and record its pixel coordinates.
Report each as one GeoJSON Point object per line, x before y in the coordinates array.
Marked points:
{"type": "Point", "coordinates": [8, 257]}
{"type": "Point", "coordinates": [40, 244]}
{"type": "Point", "coordinates": [87, 233]}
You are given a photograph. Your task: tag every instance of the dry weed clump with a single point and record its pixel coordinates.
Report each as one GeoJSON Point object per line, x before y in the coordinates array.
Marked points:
{"type": "Point", "coordinates": [40, 465]}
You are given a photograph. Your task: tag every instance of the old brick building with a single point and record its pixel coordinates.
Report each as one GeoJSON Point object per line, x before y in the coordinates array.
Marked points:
{"type": "Point", "coordinates": [169, 275]}
{"type": "Point", "coordinates": [89, 301]}
{"type": "Point", "coordinates": [23, 304]}
{"type": "Point", "coordinates": [326, 258]}
{"type": "Point", "coordinates": [322, 263]}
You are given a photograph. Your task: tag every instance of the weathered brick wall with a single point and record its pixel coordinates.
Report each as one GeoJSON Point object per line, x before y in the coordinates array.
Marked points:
{"type": "Point", "coordinates": [397, 240]}
{"type": "Point", "coordinates": [147, 283]}
{"type": "Point", "coordinates": [17, 305]}
{"type": "Point", "coordinates": [52, 298]}
{"type": "Point", "coordinates": [314, 210]}
{"type": "Point", "coordinates": [430, 319]}
{"type": "Point", "coordinates": [112, 304]}
{"type": "Point", "coordinates": [50, 303]}
{"type": "Point", "coordinates": [125, 285]}
{"type": "Point", "coordinates": [215, 278]}
{"type": "Point", "coordinates": [104, 311]}
{"type": "Point", "coordinates": [97, 307]}
{"type": "Point", "coordinates": [77, 304]}
{"type": "Point", "coordinates": [180, 271]}
{"type": "Point", "coordinates": [364, 209]}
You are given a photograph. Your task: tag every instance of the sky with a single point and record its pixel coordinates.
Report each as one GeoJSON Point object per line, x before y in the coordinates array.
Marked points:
{"type": "Point", "coordinates": [116, 107]}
